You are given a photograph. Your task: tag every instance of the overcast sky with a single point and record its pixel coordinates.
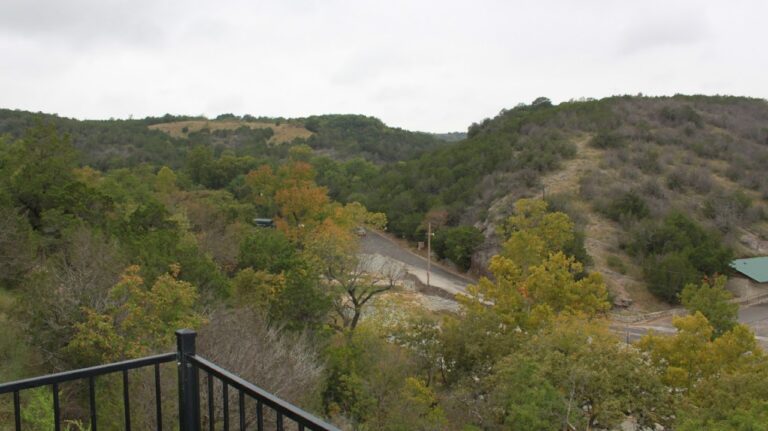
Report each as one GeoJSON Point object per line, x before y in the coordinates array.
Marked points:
{"type": "Point", "coordinates": [422, 65]}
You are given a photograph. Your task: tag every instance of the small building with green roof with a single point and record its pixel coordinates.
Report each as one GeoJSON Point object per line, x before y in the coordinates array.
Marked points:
{"type": "Point", "coordinates": [755, 268]}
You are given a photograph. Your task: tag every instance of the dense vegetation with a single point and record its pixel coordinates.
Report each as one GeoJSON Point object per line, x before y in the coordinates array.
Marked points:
{"type": "Point", "coordinates": [457, 244]}
{"type": "Point", "coordinates": [102, 258]}
{"type": "Point", "coordinates": [645, 158]}
{"type": "Point", "coordinates": [105, 144]}
{"type": "Point", "coordinates": [367, 137]}
{"type": "Point", "coordinates": [676, 251]}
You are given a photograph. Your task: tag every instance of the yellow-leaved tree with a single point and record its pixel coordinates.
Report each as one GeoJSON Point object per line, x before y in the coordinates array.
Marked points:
{"type": "Point", "coordinates": [141, 321]}
{"type": "Point", "coordinates": [721, 383]}
{"type": "Point", "coordinates": [692, 356]}
{"type": "Point", "coordinates": [533, 278]}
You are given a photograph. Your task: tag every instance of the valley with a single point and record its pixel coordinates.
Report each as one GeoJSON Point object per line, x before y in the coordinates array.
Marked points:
{"type": "Point", "coordinates": [581, 249]}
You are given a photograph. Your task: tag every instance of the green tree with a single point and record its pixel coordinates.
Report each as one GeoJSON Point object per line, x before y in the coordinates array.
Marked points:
{"type": "Point", "coordinates": [677, 251]}
{"type": "Point", "coordinates": [17, 247]}
{"type": "Point", "coordinates": [40, 170]}
{"type": "Point", "coordinates": [366, 382]}
{"type": "Point", "coordinates": [416, 408]}
{"type": "Point", "coordinates": [457, 244]}
{"type": "Point", "coordinates": [520, 397]}
{"type": "Point", "coordinates": [713, 301]}
{"type": "Point", "coordinates": [602, 380]}
{"type": "Point", "coordinates": [420, 333]}
{"type": "Point", "coordinates": [668, 273]}
{"type": "Point", "coordinates": [199, 165]}
{"type": "Point", "coordinates": [471, 345]}
{"type": "Point", "coordinates": [304, 303]}
{"type": "Point", "coordinates": [165, 181]}
{"type": "Point", "coordinates": [267, 250]}
{"type": "Point", "coordinates": [753, 418]}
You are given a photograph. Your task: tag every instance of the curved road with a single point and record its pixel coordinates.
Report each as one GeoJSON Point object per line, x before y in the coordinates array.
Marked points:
{"type": "Point", "coordinates": [441, 278]}
{"type": "Point", "coordinates": [754, 316]}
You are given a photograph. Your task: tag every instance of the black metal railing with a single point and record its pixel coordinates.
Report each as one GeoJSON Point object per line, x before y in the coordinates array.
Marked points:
{"type": "Point", "coordinates": [54, 380]}
{"type": "Point", "coordinates": [269, 412]}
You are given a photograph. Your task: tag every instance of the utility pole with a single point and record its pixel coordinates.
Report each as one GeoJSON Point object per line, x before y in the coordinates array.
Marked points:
{"type": "Point", "coordinates": [429, 250]}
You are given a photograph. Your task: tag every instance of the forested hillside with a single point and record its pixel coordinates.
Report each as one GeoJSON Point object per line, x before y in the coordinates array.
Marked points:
{"type": "Point", "coordinates": [348, 136]}
{"type": "Point", "coordinates": [115, 233]}
{"type": "Point", "coordinates": [107, 144]}
{"type": "Point", "coordinates": [618, 166]}
{"type": "Point", "coordinates": [614, 165]}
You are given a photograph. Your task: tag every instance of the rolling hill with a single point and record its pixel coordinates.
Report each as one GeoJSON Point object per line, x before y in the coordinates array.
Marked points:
{"type": "Point", "coordinates": [615, 165]}
{"type": "Point", "coordinates": [618, 166]}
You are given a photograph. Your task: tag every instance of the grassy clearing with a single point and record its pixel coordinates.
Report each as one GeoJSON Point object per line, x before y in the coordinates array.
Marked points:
{"type": "Point", "coordinates": [283, 132]}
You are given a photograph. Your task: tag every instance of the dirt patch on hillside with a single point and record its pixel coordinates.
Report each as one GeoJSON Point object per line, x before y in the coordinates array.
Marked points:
{"type": "Point", "coordinates": [624, 280]}
{"type": "Point", "coordinates": [283, 132]}
{"type": "Point", "coordinates": [566, 180]}
{"type": "Point", "coordinates": [602, 235]}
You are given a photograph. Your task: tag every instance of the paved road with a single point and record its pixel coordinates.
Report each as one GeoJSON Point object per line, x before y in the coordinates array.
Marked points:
{"type": "Point", "coordinates": [632, 333]}
{"type": "Point", "coordinates": [754, 316]}
{"type": "Point", "coordinates": [376, 243]}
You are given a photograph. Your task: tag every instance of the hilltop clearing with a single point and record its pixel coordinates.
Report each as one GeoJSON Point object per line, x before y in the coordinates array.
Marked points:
{"type": "Point", "coordinates": [282, 132]}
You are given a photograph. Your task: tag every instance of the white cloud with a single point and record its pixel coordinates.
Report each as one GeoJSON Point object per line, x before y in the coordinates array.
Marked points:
{"type": "Point", "coordinates": [426, 65]}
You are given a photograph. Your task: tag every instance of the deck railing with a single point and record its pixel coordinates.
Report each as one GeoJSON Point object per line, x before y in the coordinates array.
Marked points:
{"type": "Point", "coordinates": [269, 412]}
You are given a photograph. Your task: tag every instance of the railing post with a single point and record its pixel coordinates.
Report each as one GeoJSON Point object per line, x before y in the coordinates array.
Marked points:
{"type": "Point", "coordinates": [189, 392]}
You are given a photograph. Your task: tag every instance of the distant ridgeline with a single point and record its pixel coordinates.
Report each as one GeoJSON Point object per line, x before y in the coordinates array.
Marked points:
{"type": "Point", "coordinates": [167, 140]}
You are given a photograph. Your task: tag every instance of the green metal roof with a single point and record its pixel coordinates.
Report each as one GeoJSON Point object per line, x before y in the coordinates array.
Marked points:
{"type": "Point", "coordinates": [755, 268]}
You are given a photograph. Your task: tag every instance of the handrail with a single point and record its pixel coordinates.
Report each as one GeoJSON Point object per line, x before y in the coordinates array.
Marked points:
{"type": "Point", "coordinates": [83, 373]}
{"type": "Point", "coordinates": [300, 416]}
{"type": "Point", "coordinates": [189, 416]}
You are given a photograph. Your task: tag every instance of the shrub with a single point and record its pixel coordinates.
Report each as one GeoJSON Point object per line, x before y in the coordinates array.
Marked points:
{"type": "Point", "coordinates": [267, 250]}
{"type": "Point", "coordinates": [627, 206]}
{"type": "Point", "coordinates": [648, 161]}
{"type": "Point", "coordinates": [457, 244]}
{"type": "Point", "coordinates": [675, 180]}
{"type": "Point", "coordinates": [652, 188]}
{"type": "Point", "coordinates": [607, 139]}
{"type": "Point", "coordinates": [727, 209]}
{"type": "Point", "coordinates": [666, 275]}
{"type": "Point", "coordinates": [680, 115]}
{"type": "Point", "coordinates": [678, 251]}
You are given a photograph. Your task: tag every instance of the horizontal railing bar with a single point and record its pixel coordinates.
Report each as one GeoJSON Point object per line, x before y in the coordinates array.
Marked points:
{"type": "Point", "coordinates": [276, 403]}
{"type": "Point", "coordinates": [85, 372]}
